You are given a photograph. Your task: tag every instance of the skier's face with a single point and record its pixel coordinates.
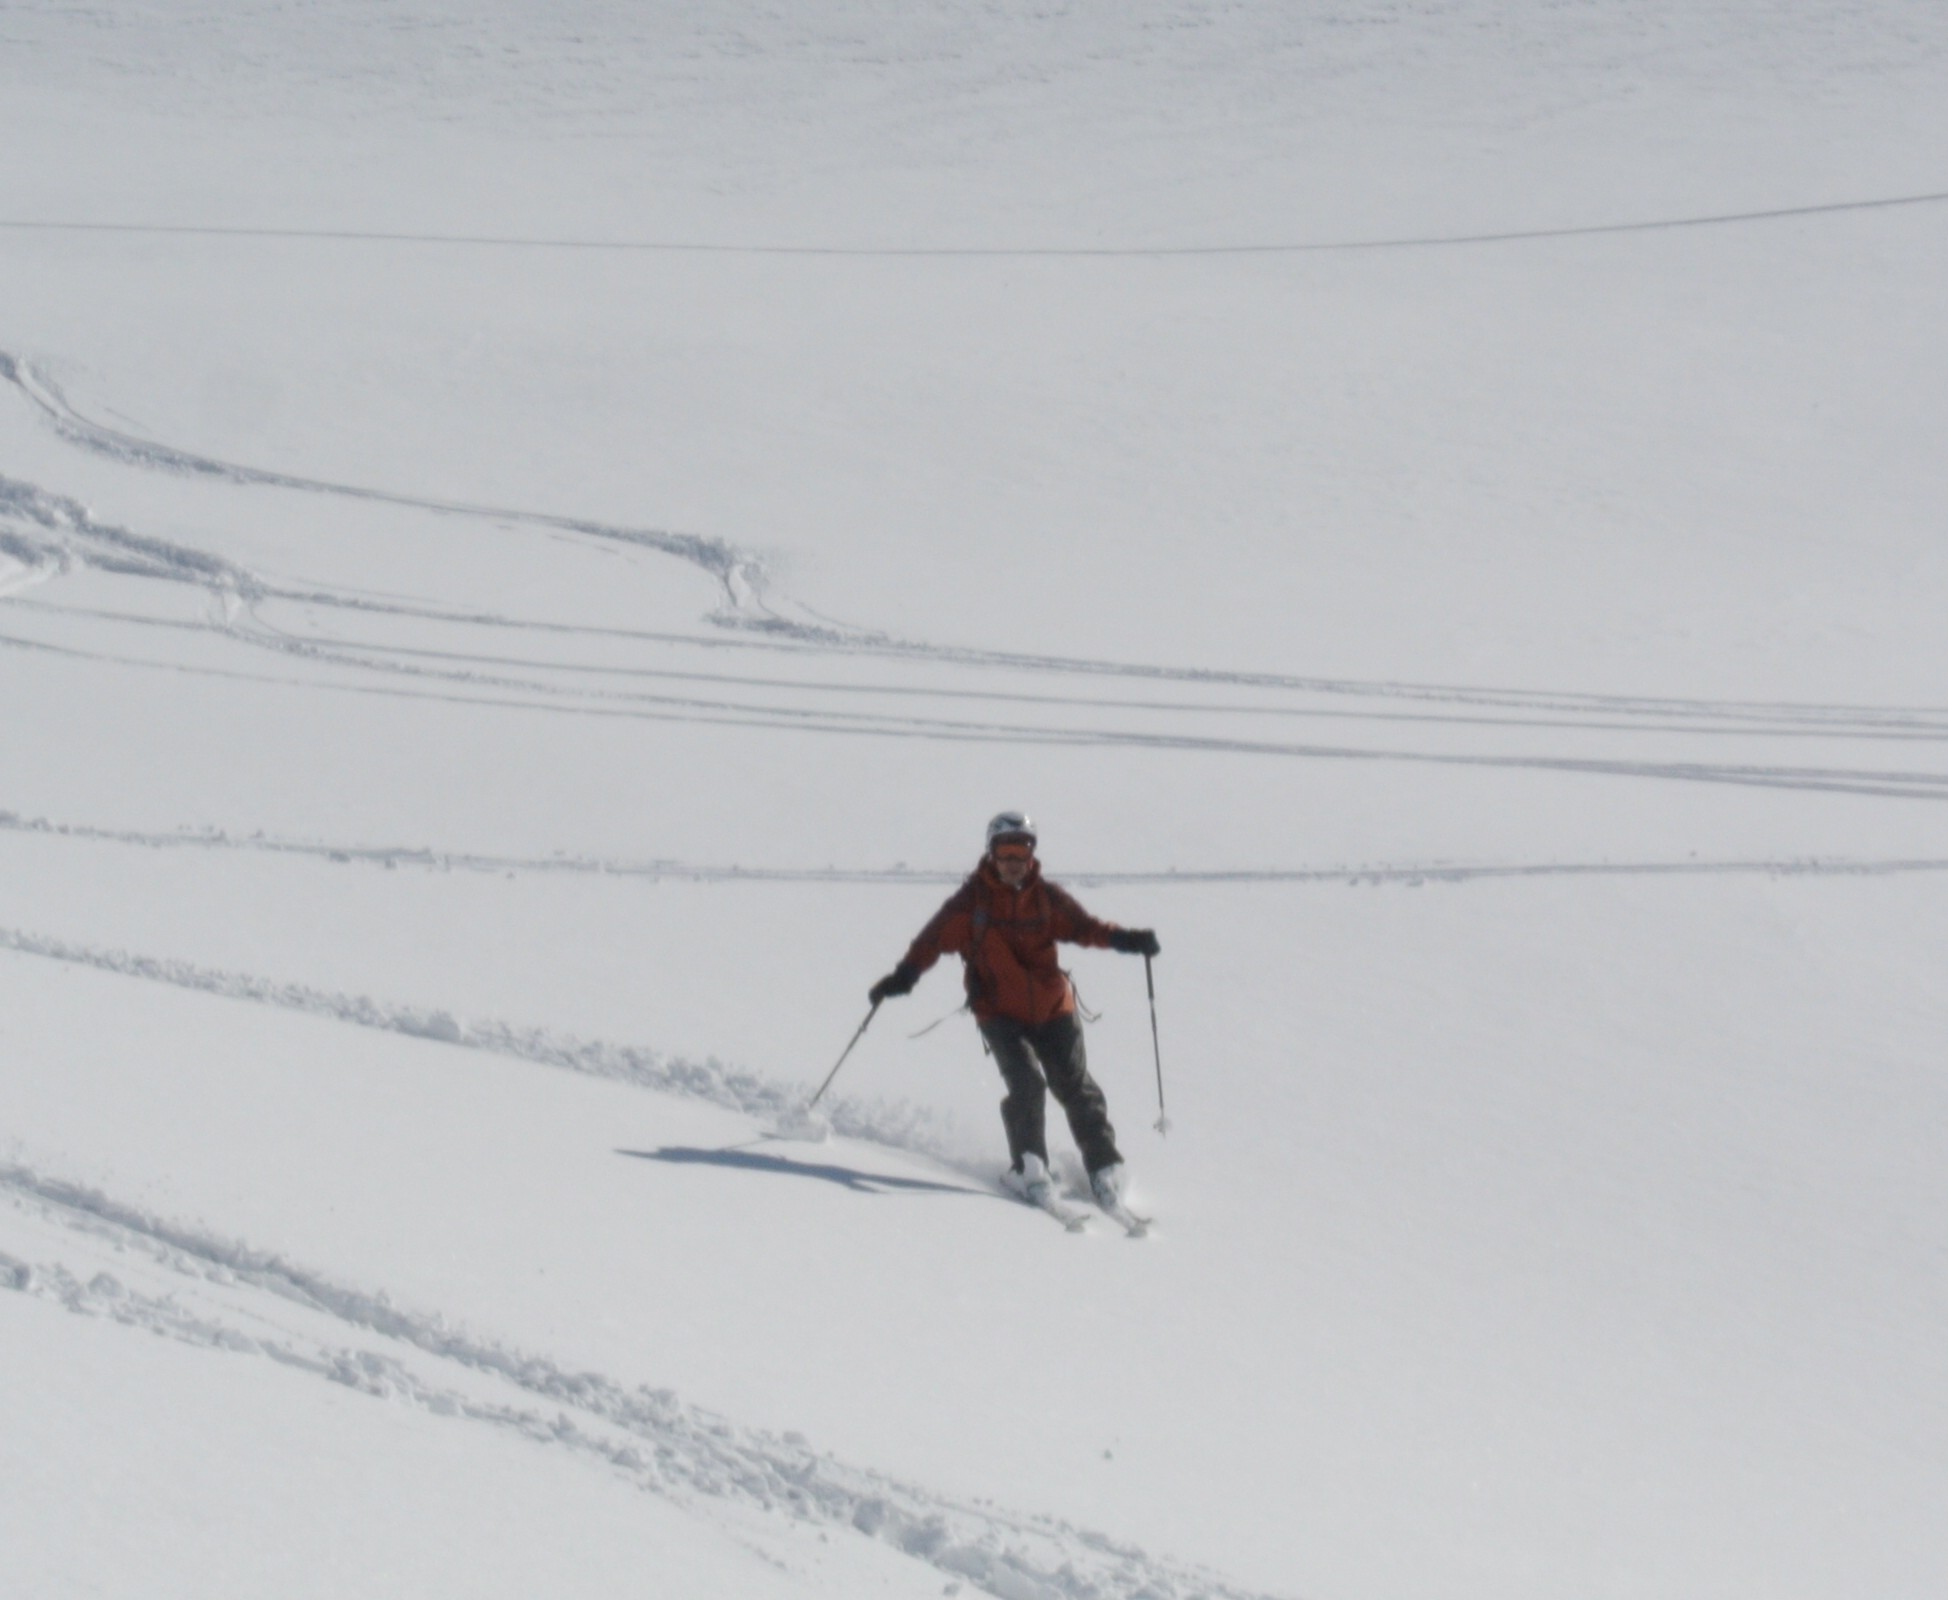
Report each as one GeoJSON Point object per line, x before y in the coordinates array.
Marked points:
{"type": "Point", "coordinates": [1012, 858]}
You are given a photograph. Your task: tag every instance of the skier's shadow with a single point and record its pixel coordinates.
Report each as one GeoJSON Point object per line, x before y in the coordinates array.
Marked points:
{"type": "Point", "coordinates": [741, 1158]}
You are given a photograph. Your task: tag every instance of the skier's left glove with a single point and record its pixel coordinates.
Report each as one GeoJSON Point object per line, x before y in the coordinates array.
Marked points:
{"type": "Point", "coordinates": [1135, 942]}
{"type": "Point", "coordinates": [899, 981]}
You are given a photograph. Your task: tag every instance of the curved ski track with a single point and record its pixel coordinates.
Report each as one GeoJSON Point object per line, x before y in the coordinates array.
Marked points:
{"type": "Point", "coordinates": [741, 575]}
{"type": "Point", "coordinates": [751, 619]}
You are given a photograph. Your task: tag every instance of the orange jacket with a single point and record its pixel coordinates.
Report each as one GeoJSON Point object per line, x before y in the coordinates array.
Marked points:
{"type": "Point", "coordinates": [1006, 937]}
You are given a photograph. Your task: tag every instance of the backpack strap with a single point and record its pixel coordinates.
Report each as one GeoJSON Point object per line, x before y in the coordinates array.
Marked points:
{"type": "Point", "coordinates": [979, 918]}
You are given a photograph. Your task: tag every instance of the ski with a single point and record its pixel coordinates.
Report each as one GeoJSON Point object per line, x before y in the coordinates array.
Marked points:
{"type": "Point", "coordinates": [1135, 1226]}
{"type": "Point", "coordinates": [1071, 1217]}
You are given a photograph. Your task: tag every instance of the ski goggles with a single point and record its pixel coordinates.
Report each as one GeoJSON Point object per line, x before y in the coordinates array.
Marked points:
{"type": "Point", "coordinates": [1013, 849]}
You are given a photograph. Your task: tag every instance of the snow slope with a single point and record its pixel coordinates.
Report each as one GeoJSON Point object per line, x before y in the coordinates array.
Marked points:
{"type": "Point", "coordinates": [480, 714]}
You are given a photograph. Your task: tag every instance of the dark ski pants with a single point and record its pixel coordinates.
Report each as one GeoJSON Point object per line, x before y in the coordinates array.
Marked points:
{"type": "Point", "coordinates": [1038, 1060]}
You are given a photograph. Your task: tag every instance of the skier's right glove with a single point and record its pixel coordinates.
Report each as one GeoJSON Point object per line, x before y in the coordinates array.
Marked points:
{"type": "Point", "coordinates": [1135, 942]}
{"type": "Point", "coordinates": [899, 981]}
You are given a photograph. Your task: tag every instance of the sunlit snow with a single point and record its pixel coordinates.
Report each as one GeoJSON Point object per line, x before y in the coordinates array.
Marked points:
{"type": "Point", "coordinates": [533, 538]}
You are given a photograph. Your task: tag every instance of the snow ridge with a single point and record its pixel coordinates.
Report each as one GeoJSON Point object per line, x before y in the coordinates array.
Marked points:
{"type": "Point", "coordinates": [222, 1294]}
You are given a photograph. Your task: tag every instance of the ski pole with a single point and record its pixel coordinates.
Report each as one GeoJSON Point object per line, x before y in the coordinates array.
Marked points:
{"type": "Point", "coordinates": [1150, 982]}
{"type": "Point", "coordinates": [842, 1055]}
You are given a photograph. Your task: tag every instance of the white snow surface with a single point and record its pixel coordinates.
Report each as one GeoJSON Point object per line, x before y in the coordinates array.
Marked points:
{"type": "Point", "coordinates": [532, 538]}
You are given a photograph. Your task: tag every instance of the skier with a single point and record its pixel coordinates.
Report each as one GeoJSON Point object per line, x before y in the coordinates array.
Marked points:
{"type": "Point", "coordinates": [1003, 923]}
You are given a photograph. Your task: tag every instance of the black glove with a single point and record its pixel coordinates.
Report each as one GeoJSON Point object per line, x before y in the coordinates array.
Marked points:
{"type": "Point", "coordinates": [899, 981]}
{"type": "Point", "coordinates": [1135, 942]}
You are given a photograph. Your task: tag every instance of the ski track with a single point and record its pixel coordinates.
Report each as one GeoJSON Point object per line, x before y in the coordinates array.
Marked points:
{"type": "Point", "coordinates": [1889, 784]}
{"type": "Point", "coordinates": [1916, 730]}
{"type": "Point", "coordinates": [1873, 783]}
{"type": "Point", "coordinates": [427, 858]}
{"type": "Point", "coordinates": [756, 621]}
{"type": "Point", "coordinates": [1071, 252]}
{"type": "Point", "coordinates": [573, 697]}
{"type": "Point", "coordinates": [145, 1272]}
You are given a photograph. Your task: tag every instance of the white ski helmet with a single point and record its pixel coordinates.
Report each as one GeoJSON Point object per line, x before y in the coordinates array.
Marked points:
{"type": "Point", "coordinates": [1010, 825]}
